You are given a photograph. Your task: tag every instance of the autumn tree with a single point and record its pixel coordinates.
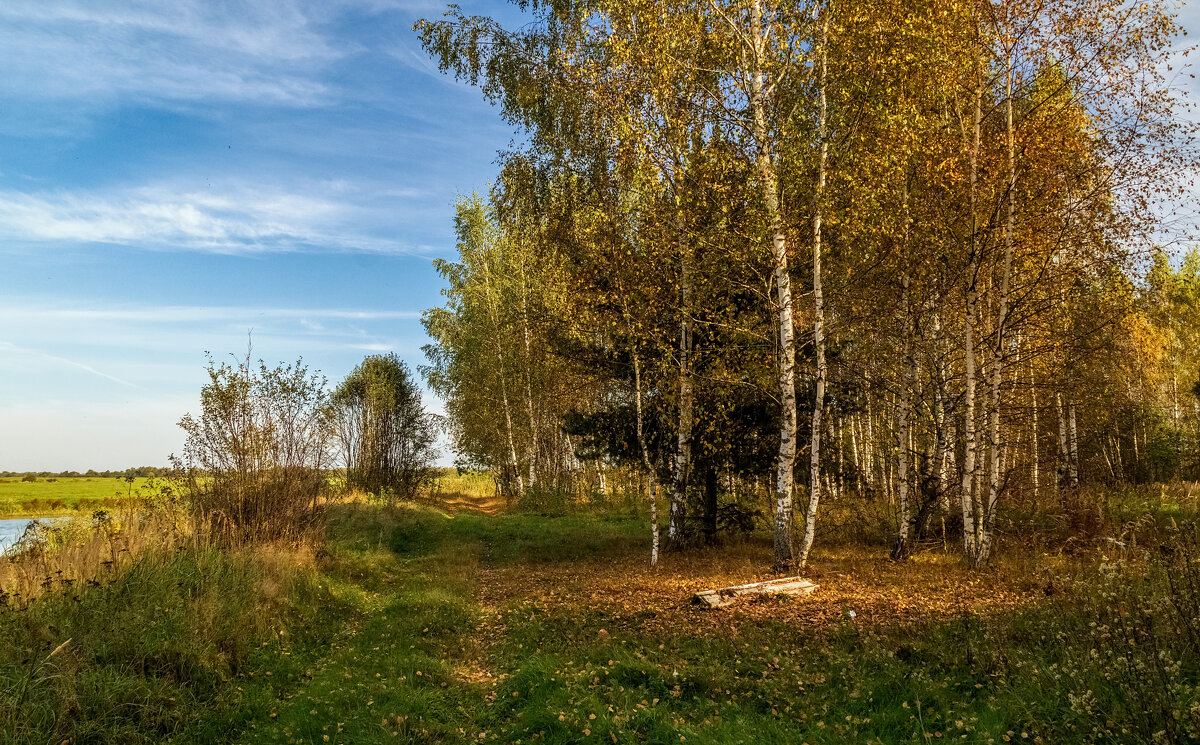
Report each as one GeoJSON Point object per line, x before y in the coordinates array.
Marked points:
{"type": "Point", "coordinates": [964, 186]}
{"type": "Point", "coordinates": [386, 437]}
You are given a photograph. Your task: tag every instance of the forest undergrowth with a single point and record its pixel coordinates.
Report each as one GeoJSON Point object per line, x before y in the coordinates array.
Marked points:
{"type": "Point", "coordinates": [424, 624]}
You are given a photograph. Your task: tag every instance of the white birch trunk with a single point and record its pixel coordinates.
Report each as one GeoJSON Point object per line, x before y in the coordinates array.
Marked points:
{"type": "Point", "coordinates": [945, 428]}
{"type": "Point", "coordinates": [869, 445]}
{"type": "Point", "coordinates": [944, 441]}
{"type": "Point", "coordinates": [787, 349]}
{"type": "Point", "coordinates": [906, 393]}
{"type": "Point", "coordinates": [854, 455]}
{"type": "Point", "coordinates": [1120, 457]}
{"type": "Point", "coordinates": [1174, 385]}
{"type": "Point", "coordinates": [1137, 453]}
{"type": "Point", "coordinates": [985, 521]}
{"type": "Point", "coordinates": [637, 387]}
{"type": "Point", "coordinates": [814, 496]}
{"type": "Point", "coordinates": [1064, 456]}
{"type": "Point", "coordinates": [969, 501]}
{"type": "Point", "coordinates": [533, 428]}
{"type": "Point", "coordinates": [889, 480]}
{"type": "Point", "coordinates": [905, 434]}
{"type": "Point", "coordinates": [1073, 442]}
{"type": "Point", "coordinates": [683, 448]}
{"type": "Point", "coordinates": [1033, 433]}
{"type": "Point", "coordinates": [1108, 461]}
{"type": "Point", "coordinates": [493, 314]}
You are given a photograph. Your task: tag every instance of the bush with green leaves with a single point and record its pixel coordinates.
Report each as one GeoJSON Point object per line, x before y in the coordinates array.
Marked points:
{"type": "Point", "coordinates": [385, 435]}
{"type": "Point", "coordinates": [255, 457]}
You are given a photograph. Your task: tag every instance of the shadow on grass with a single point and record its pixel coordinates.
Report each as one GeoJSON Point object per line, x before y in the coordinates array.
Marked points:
{"type": "Point", "coordinates": [418, 532]}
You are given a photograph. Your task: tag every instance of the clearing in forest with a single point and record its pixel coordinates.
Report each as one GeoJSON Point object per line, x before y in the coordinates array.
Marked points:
{"type": "Point", "coordinates": [468, 627]}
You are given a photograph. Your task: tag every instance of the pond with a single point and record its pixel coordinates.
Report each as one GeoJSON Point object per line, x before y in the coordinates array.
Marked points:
{"type": "Point", "coordinates": [12, 528]}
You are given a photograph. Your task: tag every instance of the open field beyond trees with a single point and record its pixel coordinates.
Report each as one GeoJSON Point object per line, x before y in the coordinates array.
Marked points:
{"type": "Point", "coordinates": [52, 495]}
{"type": "Point", "coordinates": [49, 496]}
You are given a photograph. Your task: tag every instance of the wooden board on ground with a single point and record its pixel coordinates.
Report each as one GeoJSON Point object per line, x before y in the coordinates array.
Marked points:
{"type": "Point", "coordinates": [726, 595]}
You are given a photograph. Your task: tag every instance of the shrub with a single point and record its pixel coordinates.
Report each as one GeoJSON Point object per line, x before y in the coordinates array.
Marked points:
{"type": "Point", "coordinates": [385, 434]}
{"type": "Point", "coordinates": [254, 459]}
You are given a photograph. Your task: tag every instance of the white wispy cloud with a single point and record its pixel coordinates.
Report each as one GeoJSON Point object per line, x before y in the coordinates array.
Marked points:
{"type": "Point", "coordinates": [200, 314]}
{"type": "Point", "coordinates": [90, 384]}
{"type": "Point", "coordinates": [256, 50]}
{"type": "Point", "coordinates": [59, 435]}
{"type": "Point", "coordinates": [415, 58]}
{"type": "Point", "coordinates": [10, 348]}
{"type": "Point", "coordinates": [233, 219]}
{"type": "Point", "coordinates": [185, 50]}
{"type": "Point", "coordinates": [113, 341]}
{"type": "Point", "coordinates": [260, 51]}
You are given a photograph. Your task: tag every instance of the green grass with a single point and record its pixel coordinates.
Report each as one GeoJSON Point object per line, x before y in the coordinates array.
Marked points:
{"type": "Point", "coordinates": [137, 656]}
{"type": "Point", "coordinates": [552, 674]}
{"type": "Point", "coordinates": [411, 629]}
{"type": "Point", "coordinates": [48, 497]}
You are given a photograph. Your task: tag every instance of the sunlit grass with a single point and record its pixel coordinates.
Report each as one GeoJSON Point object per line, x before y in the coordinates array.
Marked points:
{"type": "Point", "coordinates": [50, 496]}
{"type": "Point", "coordinates": [471, 483]}
{"type": "Point", "coordinates": [420, 624]}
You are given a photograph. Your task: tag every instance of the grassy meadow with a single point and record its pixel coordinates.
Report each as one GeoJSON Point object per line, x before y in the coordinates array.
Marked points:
{"type": "Point", "coordinates": [52, 496]}
{"type": "Point", "coordinates": [457, 621]}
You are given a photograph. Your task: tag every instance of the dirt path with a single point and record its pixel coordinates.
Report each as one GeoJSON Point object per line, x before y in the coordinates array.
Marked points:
{"type": "Point", "coordinates": [458, 502]}
{"type": "Point", "coordinates": [404, 663]}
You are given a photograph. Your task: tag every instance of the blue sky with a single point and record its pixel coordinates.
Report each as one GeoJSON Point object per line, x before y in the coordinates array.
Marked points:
{"type": "Point", "coordinates": [176, 173]}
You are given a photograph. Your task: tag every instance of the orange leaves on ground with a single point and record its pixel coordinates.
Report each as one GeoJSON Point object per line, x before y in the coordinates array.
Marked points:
{"type": "Point", "coordinates": [878, 591]}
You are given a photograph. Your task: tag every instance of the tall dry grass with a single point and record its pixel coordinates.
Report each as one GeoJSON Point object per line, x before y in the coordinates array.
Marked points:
{"type": "Point", "coordinates": [122, 628]}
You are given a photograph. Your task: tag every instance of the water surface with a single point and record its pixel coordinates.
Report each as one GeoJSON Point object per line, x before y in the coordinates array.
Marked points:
{"type": "Point", "coordinates": [12, 528]}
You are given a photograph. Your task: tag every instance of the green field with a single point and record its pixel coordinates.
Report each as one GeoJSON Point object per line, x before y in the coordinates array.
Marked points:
{"type": "Point", "coordinates": [55, 496]}
{"type": "Point", "coordinates": [51, 496]}
{"type": "Point", "coordinates": [472, 483]}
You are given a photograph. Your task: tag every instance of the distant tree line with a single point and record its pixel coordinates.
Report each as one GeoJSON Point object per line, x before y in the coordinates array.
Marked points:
{"type": "Point", "coordinates": [139, 472]}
